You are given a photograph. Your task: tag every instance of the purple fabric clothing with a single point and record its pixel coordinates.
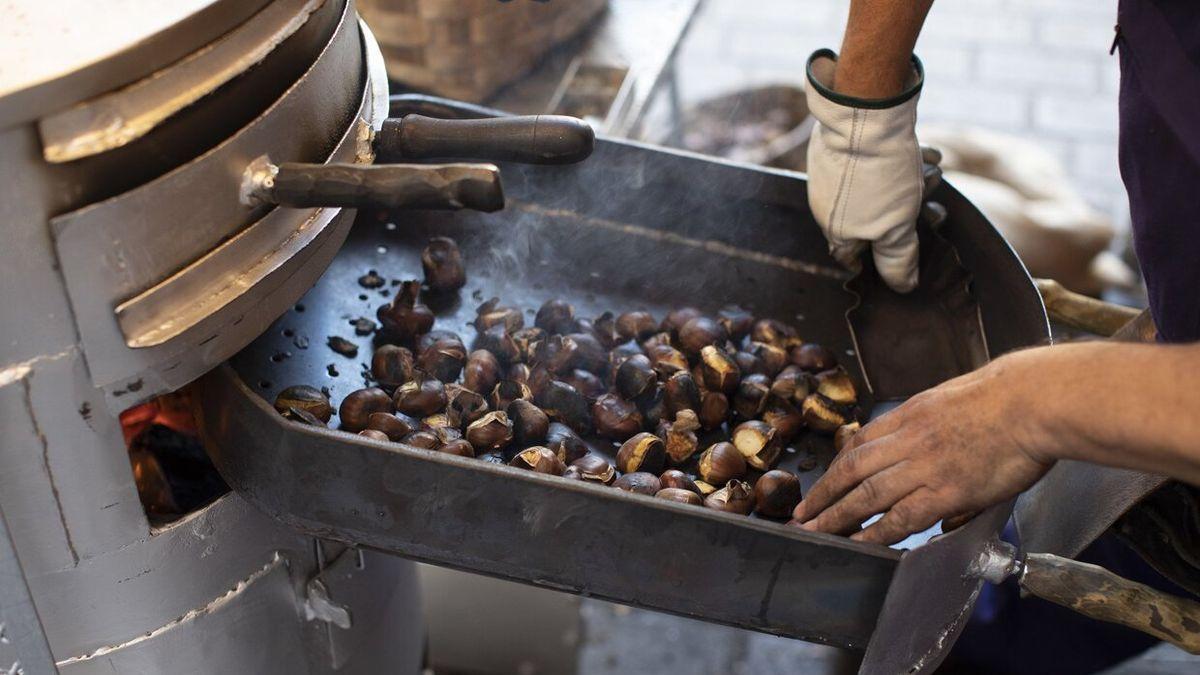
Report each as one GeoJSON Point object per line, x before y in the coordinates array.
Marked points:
{"type": "Point", "coordinates": [1160, 154]}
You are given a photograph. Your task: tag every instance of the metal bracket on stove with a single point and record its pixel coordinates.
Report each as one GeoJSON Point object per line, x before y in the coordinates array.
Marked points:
{"type": "Point", "coordinates": [318, 606]}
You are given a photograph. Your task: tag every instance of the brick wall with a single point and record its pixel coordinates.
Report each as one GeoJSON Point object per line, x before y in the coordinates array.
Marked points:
{"type": "Point", "coordinates": [1037, 68]}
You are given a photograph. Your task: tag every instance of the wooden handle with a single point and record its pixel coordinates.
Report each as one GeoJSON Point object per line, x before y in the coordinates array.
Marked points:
{"type": "Point", "coordinates": [1081, 312]}
{"type": "Point", "coordinates": [393, 186]}
{"type": "Point", "coordinates": [529, 139]}
{"type": "Point", "coordinates": [1095, 592]}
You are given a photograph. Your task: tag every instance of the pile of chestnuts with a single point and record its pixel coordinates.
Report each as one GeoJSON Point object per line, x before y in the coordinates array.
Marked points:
{"type": "Point", "coordinates": [699, 408]}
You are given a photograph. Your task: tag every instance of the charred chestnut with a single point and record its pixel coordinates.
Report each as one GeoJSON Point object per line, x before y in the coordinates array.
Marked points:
{"type": "Point", "coordinates": [675, 319]}
{"type": "Point", "coordinates": [757, 443]}
{"type": "Point", "coordinates": [784, 418]}
{"type": "Point", "coordinates": [750, 399]}
{"type": "Point", "coordinates": [458, 446]}
{"type": "Point", "coordinates": [674, 478]}
{"type": "Point", "coordinates": [605, 330]}
{"type": "Point", "coordinates": [538, 459]}
{"type": "Point", "coordinates": [583, 351]}
{"type": "Point", "coordinates": [519, 372]}
{"type": "Point", "coordinates": [395, 426]}
{"type": "Point", "coordinates": [634, 376]}
{"type": "Point", "coordinates": [525, 338]}
{"type": "Point", "coordinates": [482, 371]}
{"type": "Point", "coordinates": [406, 318]}
{"type": "Point", "coordinates": [550, 354]}
{"type": "Point", "coordinates": [636, 325]}
{"type": "Point", "coordinates": [666, 360]}
{"type": "Point", "coordinates": [812, 357]}
{"type": "Point", "coordinates": [792, 384]}
{"type": "Point", "coordinates": [735, 497]}
{"type": "Point", "coordinates": [439, 421]}
{"type": "Point", "coordinates": [680, 392]}
{"type": "Point", "coordinates": [595, 469]}
{"type": "Point", "coordinates": [420, 398]}
{"type": "Point", "coordinates": [302, 416]}
{"type": "Point", "coordinates": [843, 435]}
{"type": "Point", "coordinates": [556, 316]}
{"type": "Point", "coordinates": [529, 424]}
{"type": "Point", "coordinates": [358, 405]}
{"type": "Point", "coordinates": [422, 439]}
{"type": "Point", "coordinates": [720, 463]}
{"type": "Point", "coordinates": [699, 333]}
{"type": "Point", "coordinates": [374, 434]}
{"type": "Point", "coordinates": [507, 391]}
{"type": "Point", "coordinates": [586, 383]}
{"type": "Point", "coordinates": [837, 386]}
{"type": "Point", "coordinates": [442, 262]}
{"type": "Point", "coordinates": [490, 432]}
{"type": "Point", "coordinates": [640, 482]}
{"type": "Point", "coordinates": [678, 495]}
{"type": "Point", "coordinates": [391, 366]}
{"type": "Point", "coordinates": [616, 418]}
{"type": "Point", "coordinates": [718, 370]}
{"type": "Point", "coordinates": [491, 314]}
{"type": "Point", "coordinates": [775, 333]}
{"type": "Point", "coordinates": [463, 405]}
{"type": "Point", "coordinates": [498, 341]}
{"type": "Point", "coordinates": [773, 358]}
{"type": "Point", "coordinates": [749, 363]}
{"type": "Point", "coordinates": [680, 437]}
{"type": "Point", "coordinates": [705, 488]}
{"type": "Point", "coordinates": [714, 409]}
{"type": "Point", "coordinates": [306, 398]}
{"type": "Point", "coordinates": [444, 358]}
{"type": "Point", "coordinates": [643, 452]}
{"type": "Point", "coordinates": [563, 403]}
{"type": "Point", "coordinates": [737, 322]}
{"type": "Point", "coordinates": [776, 493]}
{"type": "Point", "coordinates": [565, 443]}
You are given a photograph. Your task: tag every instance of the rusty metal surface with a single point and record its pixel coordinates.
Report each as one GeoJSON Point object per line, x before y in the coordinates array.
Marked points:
{"type": "Point", "coordinates": [632, 228]}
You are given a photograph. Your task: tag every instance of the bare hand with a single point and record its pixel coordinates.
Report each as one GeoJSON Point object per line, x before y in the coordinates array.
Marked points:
{"type": "Point", "coordinates": [957, 448]}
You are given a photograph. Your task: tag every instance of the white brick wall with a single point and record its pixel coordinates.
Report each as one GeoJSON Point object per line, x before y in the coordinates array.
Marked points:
{"type": "Point", "coordinates": [1038, 68]}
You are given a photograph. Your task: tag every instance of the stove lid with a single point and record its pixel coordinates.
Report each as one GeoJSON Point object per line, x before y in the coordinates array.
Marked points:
{"type": "Point", "coordinates": [58, 53]}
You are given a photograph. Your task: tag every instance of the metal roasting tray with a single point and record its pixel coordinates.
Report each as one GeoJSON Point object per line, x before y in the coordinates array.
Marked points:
{"type": "Point", "coordinates": [633, 227]}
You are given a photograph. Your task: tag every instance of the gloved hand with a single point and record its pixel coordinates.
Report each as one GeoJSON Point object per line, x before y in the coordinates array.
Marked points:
{"type": "Point", "coordinates": [865, 180]}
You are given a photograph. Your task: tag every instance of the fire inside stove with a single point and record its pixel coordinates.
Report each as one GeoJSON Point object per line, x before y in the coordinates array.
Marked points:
{"type": "Point", "coordinates": [173, 473]}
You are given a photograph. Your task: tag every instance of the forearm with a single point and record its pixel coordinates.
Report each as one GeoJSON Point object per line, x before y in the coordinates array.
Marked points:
{"type": "Point", "coordinates": [1125, 405]}
{"type": "Point", "coordinates": [874, 62]}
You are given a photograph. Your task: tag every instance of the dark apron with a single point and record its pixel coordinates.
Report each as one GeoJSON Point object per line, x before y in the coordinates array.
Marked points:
{"type": "Point", "coordinates": [1159, 42]}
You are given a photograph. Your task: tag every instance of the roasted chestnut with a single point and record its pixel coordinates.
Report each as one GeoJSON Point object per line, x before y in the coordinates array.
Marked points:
{"type": "Point", "coordinates": [837, 386]}
{"type": "Point", "coordinates": [737, 322]}
{"type": "Point", "coordinates": [491, 314]}
{"type": "Point", "coordinates": [776, 493]}
{"type": "Point", "coordinates": [572, 473]}
{"type": "Point", "coordinates": [422, 439]}
{"type": "Point", "coordinates": [616, 418]}
{"type": "Point", "coordinates": [303, 417]}
{"type": "Point", "coordinates": [563, 403]}
{"type": "Point", "coordinates": [666, 359]}
{"type": "Point", "coordinates": [674, 478]}
{"type": "Point", "coordinates": [525, 338]}
{"type": "Point", "coordinates": [586, 383]}
{"type": "Point", "coordinates": [748, 363]}
{"type": "Point", "coordinates": [519, 372]}
{"type": "Point", "coordinates": [634, 376]}
{"type": "Point", "coordinates": [442, 262]}
{"type": "Point", "coordinates": [396, 426]}
{"type": "Point", "coordinates": [678, 495]}
{"type": "Point", "coordinates": [538, 459]}
{"type": "Point", "coordinates": [420, 398]}
{"type": "Point", "coordinates": [812, 357]}
{"type": "Point", "coordinates": [529, 424]}
{"type": "Point", "coordinates": [433, 337]}
{"type": "Point", "coordinates": [443, 359]}
{"type": "Point", "coordinates": [823, 415]}
{"type": "Point", "coordinates": [699, 333]}
{"type": "Point", "coordinates": [406, 318]}
{"type": "Point", "coordinates": [675, 319]}
{"type": "Point", "coordinates": [439, 421]}
{"type": "Point", "coordinates": [773, 358]}
{"type": "Point", "coordinates": [391, 366]}
{"type": "Point", "coordinates": [774, 333]}
{"type": "Point", "coordinates": [498, 341]}
{"type": "Point", "coordinates": [756, 441]}
{"type": "Point", "coordinates": [358, 405]}
{"type": "Point", "coordinates": [482, 371]}
{"type": "Point", "coordinates": [636, 325]}
{"type": "Point", "coordinates": [843, 435]}
{"type": "Point", "coordinates": [565, 443]}
{"type": "Point", "coordinates": [680, 392]}
{"type": "Point", "coordinates": [640, 482]}
{"type": "Point", "coordinates": [784, 418]}
{"type": "Point", "coordinates": [548, 353]}
{"type": "Point", "coordinates": [458, 446]}
{"type": "Point", "coordinates": [735, 497]}
{"type": "Point", "coordinates": [750, 399]}
{"type": "Point", "coordinates": [718, 370]}
{"type": "Point", "coordinates": [374, 435]}
{"type": "Point", "coordinates": [720, 463]}
{"type": "Point", "coordinates": [584, 351]}
{"type": "Point", "coordinates": [792, 384]}
{"type": "Point", "coordinates": [490, 432]}
{"type": "Point", "coordinates": [705, 488]}
{"type": "Point", "coordinates": [556, 316]}
{"type": "Point", "coordinates": [507, 391]}
{"type": "Point", "coordinates": [680, 437]}
{"type": "Point", "coordinates": [643, 452]}
{"type": "Point", "coordinates": [463, 405]}
{"type": "Point", "coordinates": [714, 409]}
{"type": "Point", "coordinates": [605, 330]}
{"type": "Point", "coordinates": [306, 398]}
{"type": "Point", "coordinates": [595, 469]}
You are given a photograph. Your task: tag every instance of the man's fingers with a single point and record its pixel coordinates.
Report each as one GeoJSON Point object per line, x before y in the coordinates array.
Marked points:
{"type": "Point", "coordinates": [875, 494]}
{"type": "Point", "coordinates": [896, 258]}
{"type": "Point", "coordinates": [847, 471]}
{"type": "Point", "coordinates": [915, 513]}
{"type": "Point", "coordinates": [879, 427]}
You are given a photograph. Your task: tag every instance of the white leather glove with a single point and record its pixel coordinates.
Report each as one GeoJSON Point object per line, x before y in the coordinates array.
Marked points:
{"type": "Point", "coordinates": [865, 174]}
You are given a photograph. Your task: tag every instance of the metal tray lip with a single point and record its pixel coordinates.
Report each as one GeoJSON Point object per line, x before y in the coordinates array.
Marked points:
{"type": "Point", "coordinates": [604, 492]}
